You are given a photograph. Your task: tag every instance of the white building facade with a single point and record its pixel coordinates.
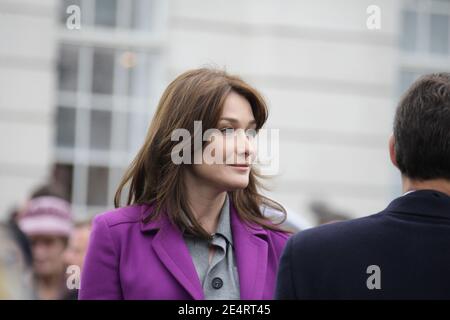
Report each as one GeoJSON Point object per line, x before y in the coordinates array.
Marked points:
{"type": "Point", "coordinates": [78, 102]}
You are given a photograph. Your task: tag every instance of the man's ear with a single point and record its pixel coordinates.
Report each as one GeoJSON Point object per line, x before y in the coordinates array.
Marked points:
{"type": "Point", "coordinates": [392, 151]}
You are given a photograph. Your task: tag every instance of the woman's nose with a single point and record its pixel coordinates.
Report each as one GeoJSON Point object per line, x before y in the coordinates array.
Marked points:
{"type": "Point", "coordinates": [245, 145]}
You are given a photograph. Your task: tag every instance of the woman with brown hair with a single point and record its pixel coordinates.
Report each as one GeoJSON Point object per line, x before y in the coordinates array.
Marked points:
{"type": "Point", "coordinates": [191, 229]}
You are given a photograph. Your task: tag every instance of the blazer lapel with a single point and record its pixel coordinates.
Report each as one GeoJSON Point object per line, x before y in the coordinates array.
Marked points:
{"type": "Point", "coordinates": [251, 251]}
{"type": "Point", "coordinates": [251, 257]}
{"type": "Point", "coordinates": [173, 252]}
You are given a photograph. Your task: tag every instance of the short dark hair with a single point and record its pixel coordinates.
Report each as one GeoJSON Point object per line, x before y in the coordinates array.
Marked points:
{"type": "Point", "coordinates": [48, 190]}
{"type": "Point", "coordinates": [422, 129]}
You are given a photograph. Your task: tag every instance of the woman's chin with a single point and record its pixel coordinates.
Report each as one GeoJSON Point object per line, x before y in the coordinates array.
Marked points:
{"type": "Point", "coordinates": [237, 184]}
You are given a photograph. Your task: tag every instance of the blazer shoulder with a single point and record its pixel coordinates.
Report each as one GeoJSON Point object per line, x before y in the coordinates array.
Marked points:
{"type": "Point", "coordinates": [337, 233]}
{"type": "Point", "coordinates": [121, 215]}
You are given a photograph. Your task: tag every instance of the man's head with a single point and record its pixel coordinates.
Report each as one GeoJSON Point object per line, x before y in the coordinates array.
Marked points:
{"type": "Point", "coordinates": [420, 146]}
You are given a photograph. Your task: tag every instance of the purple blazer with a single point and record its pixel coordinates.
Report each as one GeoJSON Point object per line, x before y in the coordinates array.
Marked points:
{"type": "Point", "coordinates": [130, 259]}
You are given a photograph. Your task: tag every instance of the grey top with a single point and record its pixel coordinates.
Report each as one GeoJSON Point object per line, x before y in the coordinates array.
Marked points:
{"type": "Point", "coordinates": [220, 279]}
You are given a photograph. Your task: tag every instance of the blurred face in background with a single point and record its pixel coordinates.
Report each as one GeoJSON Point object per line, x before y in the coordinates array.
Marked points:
{"type": "Point", "coordinates": [237, 128]}
{"type": "Point", "coordinates": [77, 246]}
{"type": "Point", "coordinates": [48, 254]}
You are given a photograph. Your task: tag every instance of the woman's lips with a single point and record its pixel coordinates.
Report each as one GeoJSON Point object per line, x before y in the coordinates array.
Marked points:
{"type": "Point", "coordinates": [242, 167]}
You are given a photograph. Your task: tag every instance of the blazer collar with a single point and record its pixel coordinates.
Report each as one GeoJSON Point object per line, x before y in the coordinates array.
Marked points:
{"type": "Point", "coordinates": [250, 249]}
{"type": "Point", "coordinates": [422, 202]}
{"type": "Point", "coordinates": [251, 252]}
{"type": "Point", "coordinates": [171, 249]}
{"type": "Point", "coordinates": [147, 210]}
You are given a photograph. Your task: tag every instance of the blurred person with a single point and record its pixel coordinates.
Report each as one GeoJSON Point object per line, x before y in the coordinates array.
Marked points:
{"type": "Point", "coordinates": [402, 252]}
{"type": "Point", "coordinates": [325, 214]}
{"type": "Point", "coordinates": [49, 189]}
{"type": "Point", "coordinates": [44, 190]}
{"type": "Point", "coordinates": [190, 231]}
{"type": "Point", "coordinates": [76, 251]}
{"type": "Point", "coordinates": [47, 221]}
{"type": "Point", "coordinates": [293, 223]}
{"type": "Point", "coordinates": [15, 264]}
{"type": "Point", "coordinates": [20, 237]}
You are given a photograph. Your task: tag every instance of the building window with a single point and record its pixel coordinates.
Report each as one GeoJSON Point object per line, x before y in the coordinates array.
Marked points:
{"type": "Point", "coordinates": [106, 95]}
{"type": "Point", "coordinates": [142, 15]}
{"type": "Point", "coordinates": [424, 39]}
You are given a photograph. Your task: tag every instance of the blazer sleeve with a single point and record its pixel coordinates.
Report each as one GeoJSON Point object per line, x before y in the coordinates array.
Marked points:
{"type": "Point", "coordinates": [285, 289]}
{"type": "Point", "coordinates": [100, 275]}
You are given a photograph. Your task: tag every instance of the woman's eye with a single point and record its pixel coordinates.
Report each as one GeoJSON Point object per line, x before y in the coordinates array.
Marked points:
{"type": "Point", "coordinates": [227, 131]}
{"type": "Point", "coordinates": [251, 133]}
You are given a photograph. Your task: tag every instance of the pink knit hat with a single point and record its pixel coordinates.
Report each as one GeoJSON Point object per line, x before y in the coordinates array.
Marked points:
{"type": "Point", "coordinates": [47, 216]}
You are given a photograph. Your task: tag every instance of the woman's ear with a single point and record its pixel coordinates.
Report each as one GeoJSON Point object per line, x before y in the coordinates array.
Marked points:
{"type": "Point", "coordinates": [392, 153]}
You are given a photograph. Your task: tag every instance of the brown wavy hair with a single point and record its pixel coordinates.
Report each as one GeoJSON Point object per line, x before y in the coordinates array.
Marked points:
{"type": "Point", "coordinates": [195, 95]}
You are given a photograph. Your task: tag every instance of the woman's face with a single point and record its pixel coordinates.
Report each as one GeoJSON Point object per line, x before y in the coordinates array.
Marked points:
{"type": "Point", "coordinates": [229, 154]}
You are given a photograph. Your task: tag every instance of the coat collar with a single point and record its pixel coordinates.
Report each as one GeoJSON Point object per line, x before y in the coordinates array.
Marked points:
{"type": "Point", "coordinates": [146, 211]}
{"type": "Point", "coordinates": [422, 202]}
{"type": "Point", "coordinates": [173, 252]}
{"type": "Point", "coordinates": [250, 250]}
